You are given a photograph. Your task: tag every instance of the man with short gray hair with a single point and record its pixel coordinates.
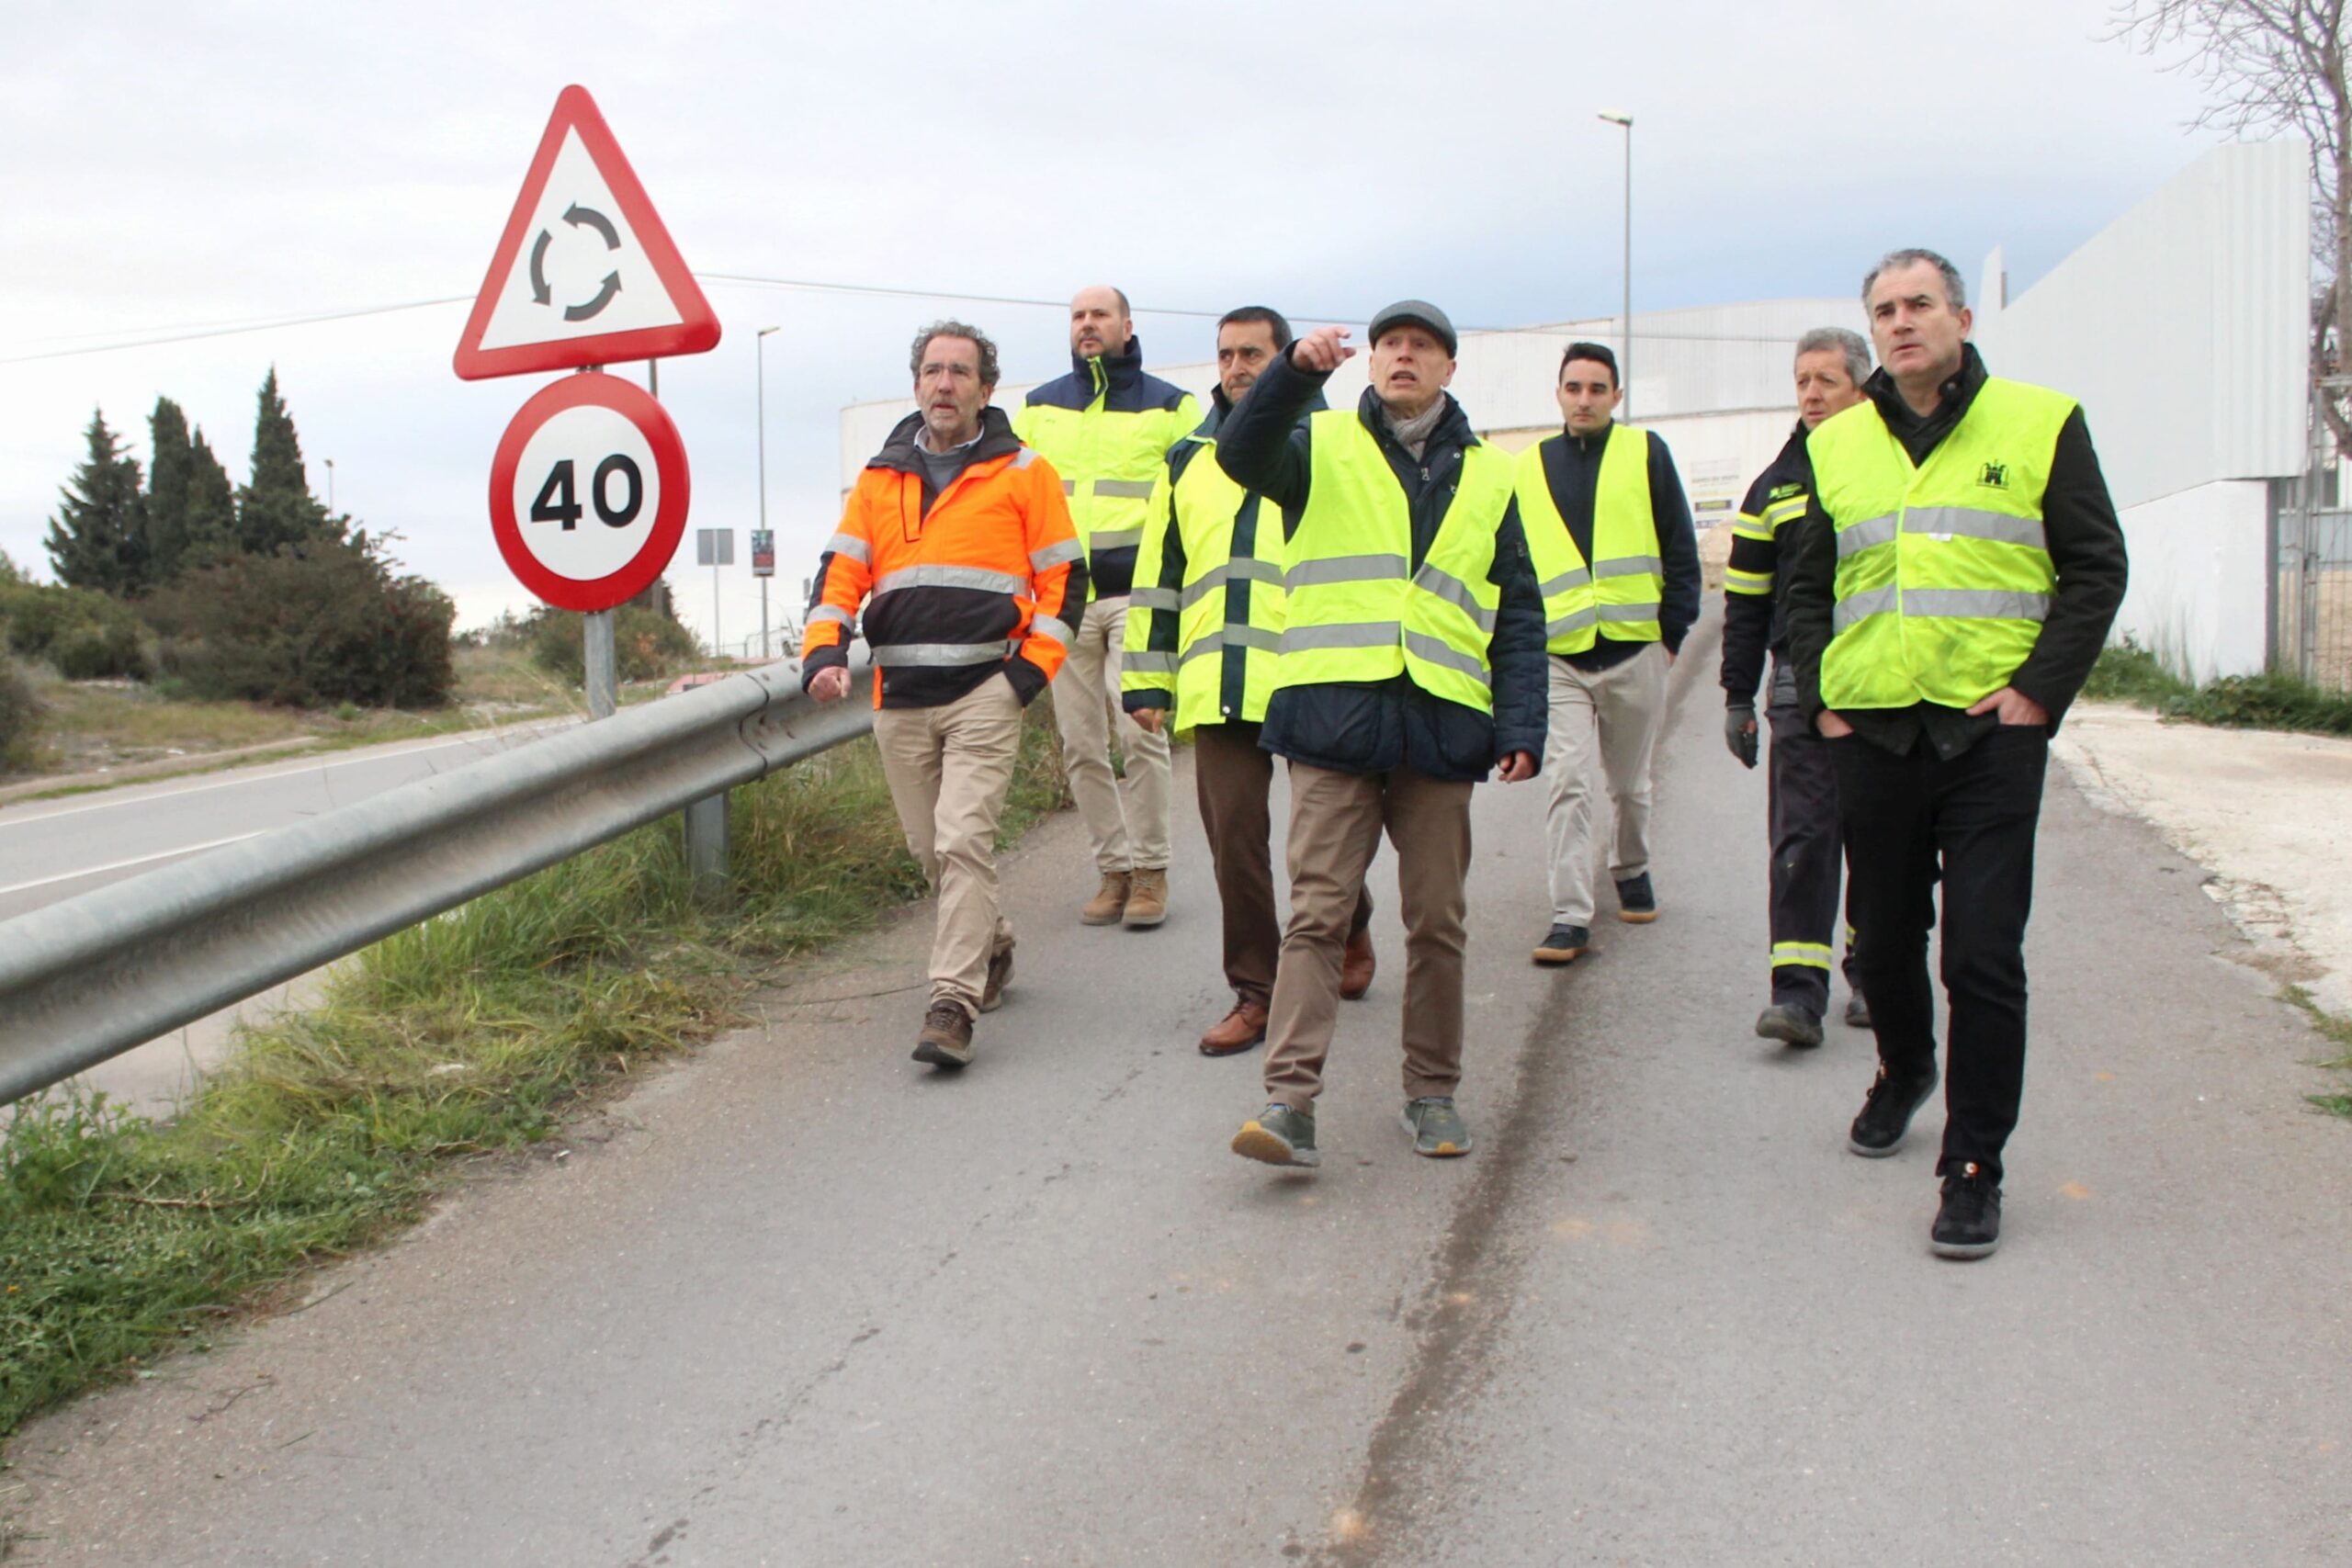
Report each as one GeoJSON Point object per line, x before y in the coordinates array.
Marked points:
{"type": "Point", "coordinates": [1831, 365]}
{"type": "Point", "coordinates": [1953, 583]}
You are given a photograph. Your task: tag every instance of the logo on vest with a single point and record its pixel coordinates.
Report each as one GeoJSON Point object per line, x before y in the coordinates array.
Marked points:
{"type": "Point", "coordinates": [1996, 475]}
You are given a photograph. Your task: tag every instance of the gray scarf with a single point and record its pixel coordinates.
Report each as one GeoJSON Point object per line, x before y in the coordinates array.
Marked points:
{"type": "Point", "coordinates": [1414, 433]}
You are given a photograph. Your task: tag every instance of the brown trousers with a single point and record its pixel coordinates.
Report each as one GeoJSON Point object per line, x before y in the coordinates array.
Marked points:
{"type": "Point", "coordinates": [1335, 826]}
{"type": "Point", "coordinates": [949, 769]}
{"type": "Point", "coordinates": [1236, 779]}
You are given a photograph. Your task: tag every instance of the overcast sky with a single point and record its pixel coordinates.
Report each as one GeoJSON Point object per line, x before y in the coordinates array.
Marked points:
{"type": "Point", "coordinates": [166, 166]}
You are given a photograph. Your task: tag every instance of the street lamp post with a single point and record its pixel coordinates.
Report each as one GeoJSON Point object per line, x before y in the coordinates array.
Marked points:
{"type": "Point", "coordinates": [759, 371]}
{"type": "Point", "coordinates": [330, 462]}
{"type": "Point", "coordinates": [1625, 364]}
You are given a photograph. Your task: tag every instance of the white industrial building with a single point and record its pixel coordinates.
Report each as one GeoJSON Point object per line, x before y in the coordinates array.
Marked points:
{"type": "Point", "coordinates": [2182, 328]}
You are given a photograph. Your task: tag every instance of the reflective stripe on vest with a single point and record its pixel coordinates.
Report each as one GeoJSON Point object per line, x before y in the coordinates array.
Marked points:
{"type": "Point", "coordinates": [1355, 614]}
{"type": "Point", "coordinates": [1943, 574]}
{"type": "Point", "coordinates": [1215, 655]}
{"type": "Point", "coordinates": [1617, 595]}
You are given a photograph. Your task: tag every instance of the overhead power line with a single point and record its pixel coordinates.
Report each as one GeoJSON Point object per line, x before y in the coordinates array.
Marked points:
{"type": "Point", "coordinates": [161, 336]}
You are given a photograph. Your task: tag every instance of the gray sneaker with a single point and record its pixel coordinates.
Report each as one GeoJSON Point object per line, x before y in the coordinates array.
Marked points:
{"type": "Point", "coordinates": [1278, 1136]}
{"type": "Point", "coordinates": [1792, 1023]}
{"type": "Point", "coordinates": [1438, 1129]}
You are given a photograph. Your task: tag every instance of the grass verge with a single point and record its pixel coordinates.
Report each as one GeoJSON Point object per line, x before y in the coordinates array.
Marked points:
{"type": "Point", "coordinates": [2127, 672]}
{"type": "Point", "coordinates": [122, 1240]}
{"type": "Point", "coordinates": [2338, 1030]}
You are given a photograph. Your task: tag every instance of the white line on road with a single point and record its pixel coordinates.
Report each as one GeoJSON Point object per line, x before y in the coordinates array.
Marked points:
{"type": "Point", "coordinates": [127, 864]}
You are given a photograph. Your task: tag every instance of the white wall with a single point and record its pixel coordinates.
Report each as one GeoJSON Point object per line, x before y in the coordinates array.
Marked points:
{"type": "Point", "coordinates": [2181, 327]}
{"type": "Point", "coordinates": [2200, 580]}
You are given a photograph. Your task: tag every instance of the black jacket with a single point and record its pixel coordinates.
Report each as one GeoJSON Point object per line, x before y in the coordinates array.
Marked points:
{"type": "Point", "coordinates": [1161, 627]}
{"type": "Point", "coordinates": [1755, 624]}
{"type": "Point", "coordinates": [1572, 470]}
{"type": "Point", "coordinates": [2085, 547]}
{"type": "Point", "coordinates": [1375, 727]}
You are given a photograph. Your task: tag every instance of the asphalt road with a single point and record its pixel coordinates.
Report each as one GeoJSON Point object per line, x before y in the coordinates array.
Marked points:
{"type": "Point", "coordinates": [54, 850]}
{"type": "Point", "coordinates": [798, 1301]}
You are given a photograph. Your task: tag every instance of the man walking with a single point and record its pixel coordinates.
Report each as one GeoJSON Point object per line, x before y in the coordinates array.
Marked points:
{"type": "Point", "coordinates": [1957, 570]}
{"type": "Point", "coordinates": [956, 542]}
{"type": "Point", "coordinates": [1611, 534]}
{"type": "Point", "coordinates": [1411, 664]}
{"type": "Point", "coordinates": [1801, 786]}
{"type": "Point", "coordinates": [1105, 427]}
{"type": "Point", "coordinates": [1204, 625]}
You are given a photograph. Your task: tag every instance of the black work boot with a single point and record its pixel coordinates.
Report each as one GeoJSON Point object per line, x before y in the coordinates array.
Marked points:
{"type": "Point", "coordinates": [1887, 1111]}
{"type": "Point", "coordinates": [1969, 1223]}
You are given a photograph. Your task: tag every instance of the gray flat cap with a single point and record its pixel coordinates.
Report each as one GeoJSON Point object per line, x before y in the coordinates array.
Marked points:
{"type": "Point", "coordinates": [1418, 312]}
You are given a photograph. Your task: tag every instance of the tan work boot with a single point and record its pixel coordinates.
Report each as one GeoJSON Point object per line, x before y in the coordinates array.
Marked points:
{"type": "Point", "coordinates": [1148, 898]}
{"type": "Point", "coordinates": [1110, 900]}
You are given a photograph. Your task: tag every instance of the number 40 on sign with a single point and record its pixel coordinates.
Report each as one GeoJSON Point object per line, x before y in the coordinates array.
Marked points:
{"type": "Point", "coordinates": [588, 492]}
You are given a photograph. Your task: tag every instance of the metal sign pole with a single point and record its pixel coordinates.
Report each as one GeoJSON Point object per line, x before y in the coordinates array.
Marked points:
{"type": "Point", "coordinates": [599, 676]}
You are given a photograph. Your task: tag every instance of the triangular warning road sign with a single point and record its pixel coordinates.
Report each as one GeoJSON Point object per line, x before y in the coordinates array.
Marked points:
{"type": "Point", "coordinates": [585, 274]}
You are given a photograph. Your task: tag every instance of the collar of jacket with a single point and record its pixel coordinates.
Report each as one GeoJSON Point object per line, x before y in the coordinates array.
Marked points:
{"type": "Point", "coordinates": [997, 440]}
{"type": "Point", "coordinates": [1104, 371]}
{"type": "Point", "coordinates": [1453, 426]}
{"type": "Point", "coordinates": [1221, 408]}
{"type": "Point", "coordinates": [1589, 446]}
{"type": "Point", "coordinates": [1957, 394]}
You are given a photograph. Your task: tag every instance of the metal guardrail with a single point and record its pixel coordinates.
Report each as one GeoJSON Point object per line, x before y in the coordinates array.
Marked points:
{"type": "Point", "coordinates": [90, 978]}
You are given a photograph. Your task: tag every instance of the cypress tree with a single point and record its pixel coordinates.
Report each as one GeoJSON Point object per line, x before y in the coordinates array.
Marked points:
{"type": "Point", "coordinates": [98, 538]}
{"type": "Point", "coordinates": [276, 507]}
{"type": "Point", "coordinates": [169, 464]}
{"type": "Point", "coordinates": [211, 506]}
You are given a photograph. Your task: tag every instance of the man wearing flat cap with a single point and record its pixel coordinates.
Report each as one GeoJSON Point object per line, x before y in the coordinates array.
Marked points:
{"type": "Point", "coordinates": [1411, 665]}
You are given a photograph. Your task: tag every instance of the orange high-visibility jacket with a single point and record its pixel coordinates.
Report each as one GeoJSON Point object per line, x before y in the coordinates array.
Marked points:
{"type": "Point", "coordinates": [956, 587]}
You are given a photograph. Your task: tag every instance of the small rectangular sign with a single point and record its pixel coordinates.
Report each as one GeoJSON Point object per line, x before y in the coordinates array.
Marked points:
{"type": "Point", "coordinates": [714, 547]}
{"type": "Point", "coordinates": [763, 552]}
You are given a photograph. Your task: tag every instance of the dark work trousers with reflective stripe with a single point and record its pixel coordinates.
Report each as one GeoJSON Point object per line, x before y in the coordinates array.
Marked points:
{"type": "Point", "coordinates": [1974, 817]}
{"type": "Point", "coordinates": [1234, 778]}
{"type": "Point", "coordinates": [1806, 861]}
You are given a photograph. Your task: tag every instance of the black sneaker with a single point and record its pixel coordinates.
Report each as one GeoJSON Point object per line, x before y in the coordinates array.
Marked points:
{"type": "Point", "coordinates": [1792, 1023]}
{"type": "Point", "coordinates": [1636, 905]}
{"type": "Point", "coordinates": [1887, 1111]}
{"type": "Point", "coordinates": [1969, 1223]}
{"type": "Point", "coordinates": [1564, 944]}
{"type": "Point", "coordinates": [1858, 1011]}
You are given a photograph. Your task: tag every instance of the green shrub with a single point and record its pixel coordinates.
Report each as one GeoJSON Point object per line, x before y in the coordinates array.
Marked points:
{"type": "Point", "coordinates": [312, 625]}
{"type": "Point", "coordinates": [647, 645]}
{"type": "Point", "coordinates": [85, 635]}
{"type": "Point", "coordinates": [19, 717]}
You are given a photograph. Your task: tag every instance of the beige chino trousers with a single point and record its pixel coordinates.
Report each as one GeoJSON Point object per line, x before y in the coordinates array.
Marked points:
{"type": "Point", "coordinates": [949, 769]}
{"type": "Point", "coordinates": [1604, 727]}
{"type": "Point", "coordinates": [1127, 818]}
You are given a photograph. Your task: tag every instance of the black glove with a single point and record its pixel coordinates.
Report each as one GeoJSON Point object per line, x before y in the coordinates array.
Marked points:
{"type": "Point", "coordinates": [1739, 732]}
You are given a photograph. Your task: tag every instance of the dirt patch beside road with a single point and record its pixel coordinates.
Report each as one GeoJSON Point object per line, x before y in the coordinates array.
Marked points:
{"type": "Point", "coordinates": [2269, 815]}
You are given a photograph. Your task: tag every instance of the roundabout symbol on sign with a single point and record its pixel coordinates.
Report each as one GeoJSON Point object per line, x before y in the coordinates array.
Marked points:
{"type": "Point", "coordinates": [588, 492]}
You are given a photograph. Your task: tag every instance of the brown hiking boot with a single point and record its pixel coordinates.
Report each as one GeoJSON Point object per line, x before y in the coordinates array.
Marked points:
{"type": "Point", "coordinates": [1109, 902]}
{"type": "Point", "coordinates": [946, 1037]}
{"type": "Point", "coordinates": [1000, 975]}
{"type": "Point", "coordinates": [1148, 897]}
{"type": "Point", "coordinates": [1237, 1031]}
{"type": "Point", "coordinates": [1356, 965]}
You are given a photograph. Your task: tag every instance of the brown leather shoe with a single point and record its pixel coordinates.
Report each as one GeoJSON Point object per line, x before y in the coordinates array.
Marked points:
{"type": "Point", "coordinates": [1238, 1031]}
{"type": "Point", "coordinates": [1110, 901]}
{"type": "Point", "coordinates": [1356, 965]}
{"type": "Point", "coordinates": [1148, 897]}
{"type": "Point", "coordinates": [1000, 975]}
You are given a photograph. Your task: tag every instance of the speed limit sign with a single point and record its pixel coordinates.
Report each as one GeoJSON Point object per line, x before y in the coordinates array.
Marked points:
{"type": "Point", "coordinates": [588, 492]}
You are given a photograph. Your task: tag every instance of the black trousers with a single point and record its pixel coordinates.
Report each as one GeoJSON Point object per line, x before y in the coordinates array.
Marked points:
{"type": "Point", "coordinates": [1972, 816]}
{"type": "Point", "coordinates": [1807, 858]}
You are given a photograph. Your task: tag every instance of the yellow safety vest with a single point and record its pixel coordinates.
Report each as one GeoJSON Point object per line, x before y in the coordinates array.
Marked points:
{"type": "Point", "coordinates": [1204, 509]}
{"type": "Point", "coordinates": [1943, 571]}
{"type": "Point", "coordinates": [1616, 595]}
{"type": "Point", "coordinates": [1358, 611]}
{"type": "Point", "coordinates": [1108, 458]}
